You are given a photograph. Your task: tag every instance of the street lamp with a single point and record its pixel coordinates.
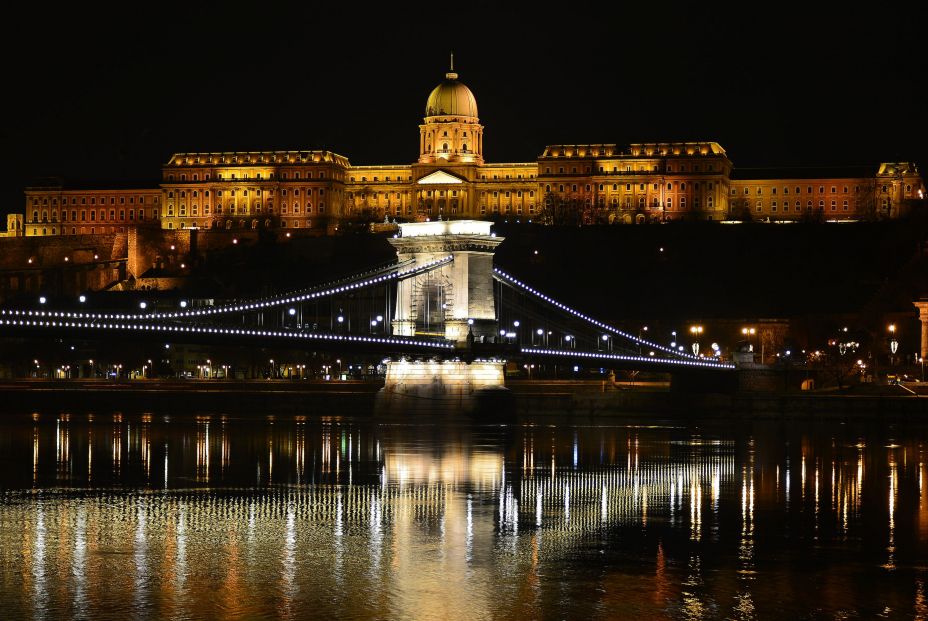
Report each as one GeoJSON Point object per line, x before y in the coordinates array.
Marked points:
{"type": "Point", "coordinates": [893, 344]}
{"type": "Point", "coordinates": [695, 331]}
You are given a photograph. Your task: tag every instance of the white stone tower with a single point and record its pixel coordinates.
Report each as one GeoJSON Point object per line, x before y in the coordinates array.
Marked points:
{"type": "Point", "coordinates": [455, 298]}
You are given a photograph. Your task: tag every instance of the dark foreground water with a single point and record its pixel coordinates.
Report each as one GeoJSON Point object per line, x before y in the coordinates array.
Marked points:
{"type": "Point", "coordinates": [119, 516]}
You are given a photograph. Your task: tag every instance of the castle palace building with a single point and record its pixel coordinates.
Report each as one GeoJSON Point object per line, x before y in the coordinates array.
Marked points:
{"type": "Point", "coordinates": [584, 183]}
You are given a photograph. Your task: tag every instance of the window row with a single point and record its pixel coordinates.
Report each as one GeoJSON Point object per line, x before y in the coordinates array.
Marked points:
{"type": "Point", "coordinates": [93, 200]}
{"type": "Point", "coordinates": [95, 215]}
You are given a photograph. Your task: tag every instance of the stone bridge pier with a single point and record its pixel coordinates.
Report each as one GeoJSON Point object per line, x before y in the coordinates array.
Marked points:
{"type": "Point", "coordinates": [451, 301]}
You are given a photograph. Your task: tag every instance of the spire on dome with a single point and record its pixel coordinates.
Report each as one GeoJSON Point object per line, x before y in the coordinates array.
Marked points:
{"type": "Point", "coordinates": [451, 75]}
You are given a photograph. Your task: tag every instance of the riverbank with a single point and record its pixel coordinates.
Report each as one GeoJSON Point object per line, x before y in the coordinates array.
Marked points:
{"type": "Point", "coordinates": [589, 399]}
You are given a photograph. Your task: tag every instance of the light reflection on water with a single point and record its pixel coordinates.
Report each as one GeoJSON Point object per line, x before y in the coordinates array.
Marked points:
{"type": "Point", "coordinates": [290, 517]}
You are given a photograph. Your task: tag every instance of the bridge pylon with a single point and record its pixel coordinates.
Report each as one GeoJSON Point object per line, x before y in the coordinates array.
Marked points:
{"type": "Point", "coordinates": [456, 298]}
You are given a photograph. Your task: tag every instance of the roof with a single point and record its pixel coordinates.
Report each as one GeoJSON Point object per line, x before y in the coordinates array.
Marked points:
{"type": "Point", "coordinates": [451, 98]}
{"type": "Point", "coordinates": [813, 172]}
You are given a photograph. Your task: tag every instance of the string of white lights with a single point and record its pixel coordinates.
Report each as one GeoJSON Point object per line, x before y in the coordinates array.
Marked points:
{"type": "Point", "coordinates": [602, 355]}
{"type": "Point", "coordinates": [168, 329]}
{"type": "Point", "coordinates": [258, 304]}
{"type": "Point", "coordinates": [501, 275]}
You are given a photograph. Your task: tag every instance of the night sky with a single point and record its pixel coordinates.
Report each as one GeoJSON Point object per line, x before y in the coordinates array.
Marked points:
{"type": "Point", "coordinates": [105, 97]}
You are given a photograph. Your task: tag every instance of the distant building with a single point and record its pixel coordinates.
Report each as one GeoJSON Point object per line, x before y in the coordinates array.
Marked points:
{"type": "Point", "coordinates": [605, 183]}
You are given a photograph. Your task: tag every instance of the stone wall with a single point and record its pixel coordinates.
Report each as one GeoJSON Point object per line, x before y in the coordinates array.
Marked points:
{"type": "Point", "coordinates": [60, 265]}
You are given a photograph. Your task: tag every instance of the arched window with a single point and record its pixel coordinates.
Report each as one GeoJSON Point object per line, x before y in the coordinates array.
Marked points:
{"type": "Point", "coordinates": [444, 146]}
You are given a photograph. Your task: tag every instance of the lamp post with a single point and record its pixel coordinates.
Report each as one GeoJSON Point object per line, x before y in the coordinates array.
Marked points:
{"type": "Point", "coordinates": [893, 344]}
{"type": "Point", "coordinates": [695, 331]}
{"type": "Point", "coordinates": [641, 333]}
{"type": "Point", "coordinates": [748, 333]}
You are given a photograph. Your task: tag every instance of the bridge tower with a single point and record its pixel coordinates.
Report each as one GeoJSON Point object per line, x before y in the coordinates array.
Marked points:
{"type": "Point", "coordinates": [457, 297]}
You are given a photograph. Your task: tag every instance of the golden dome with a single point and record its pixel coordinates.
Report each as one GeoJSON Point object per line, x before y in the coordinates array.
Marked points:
{"type": "Point", "coordinates": [451, 98]}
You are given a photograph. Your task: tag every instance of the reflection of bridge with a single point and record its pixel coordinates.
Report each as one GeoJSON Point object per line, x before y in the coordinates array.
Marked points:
{"type": "Point", "coordinates": [441, 300]}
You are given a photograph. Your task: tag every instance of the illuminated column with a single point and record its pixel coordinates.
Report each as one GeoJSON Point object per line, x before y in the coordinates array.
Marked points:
{"type": "Point", "coordinates": [922, 306]}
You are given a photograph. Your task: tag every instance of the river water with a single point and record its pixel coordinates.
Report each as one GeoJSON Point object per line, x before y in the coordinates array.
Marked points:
{"type": "Point", "coordinates": [182, 516]}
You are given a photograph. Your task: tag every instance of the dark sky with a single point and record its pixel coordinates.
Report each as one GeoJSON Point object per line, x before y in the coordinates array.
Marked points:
{"type": "Point", "coordinates": [108, 96]}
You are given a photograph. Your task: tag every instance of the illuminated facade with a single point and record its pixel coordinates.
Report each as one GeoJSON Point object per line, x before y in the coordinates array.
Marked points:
{"type": "Point", "coordinates": [592, 183]}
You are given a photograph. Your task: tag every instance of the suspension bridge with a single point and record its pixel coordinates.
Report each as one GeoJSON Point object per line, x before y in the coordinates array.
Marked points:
{"type": "Point", "coordinates": [441, 313]}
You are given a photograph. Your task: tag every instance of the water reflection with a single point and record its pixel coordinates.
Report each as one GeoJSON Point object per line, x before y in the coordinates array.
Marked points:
{"type": "Point", "coordinates": [210, 516]}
